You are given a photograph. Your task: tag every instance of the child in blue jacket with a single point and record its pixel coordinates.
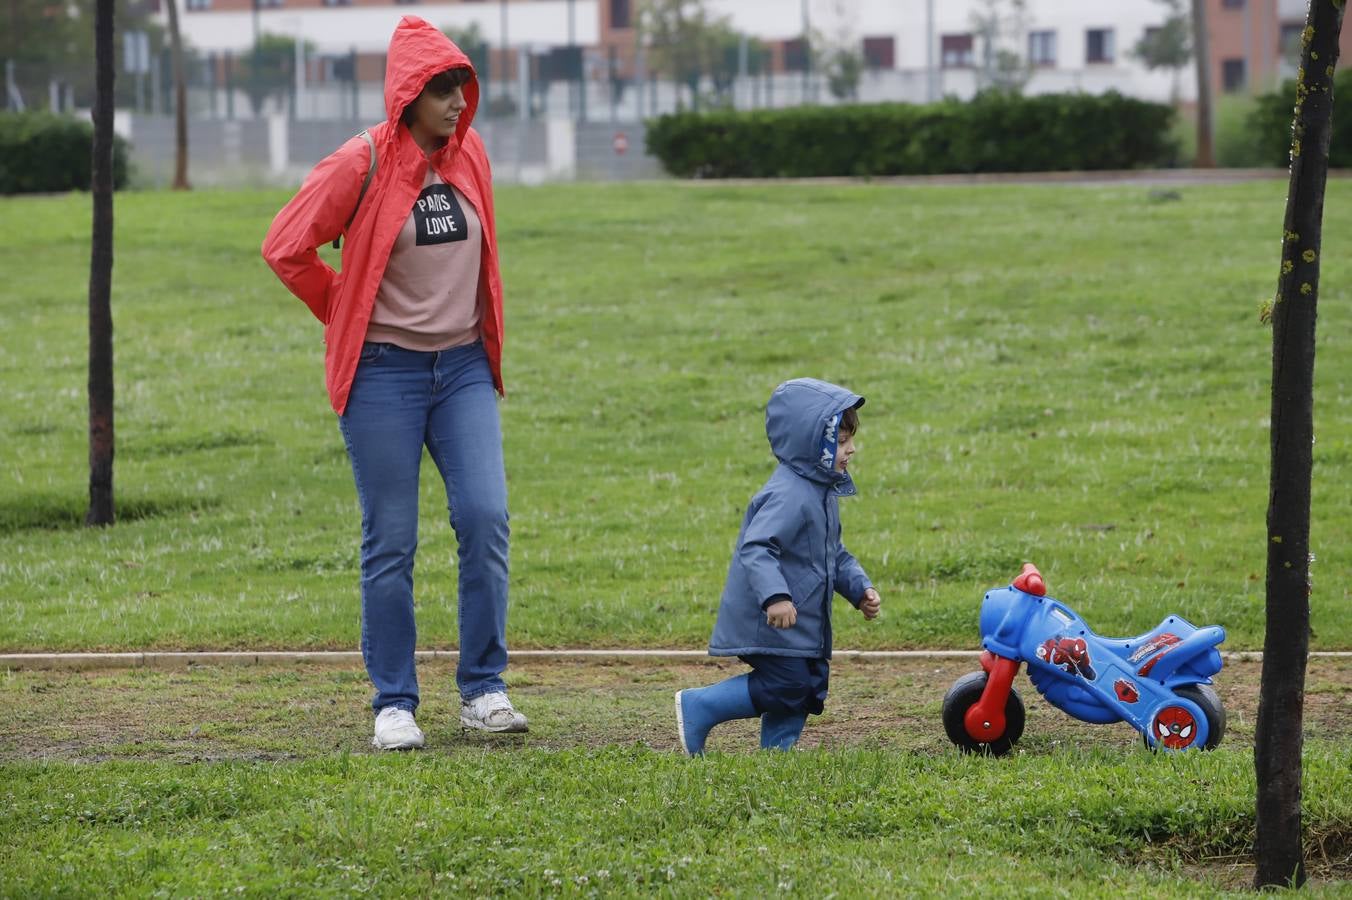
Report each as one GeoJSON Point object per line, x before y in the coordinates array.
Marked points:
{"type": "Point", "coordinates": [775, 614]}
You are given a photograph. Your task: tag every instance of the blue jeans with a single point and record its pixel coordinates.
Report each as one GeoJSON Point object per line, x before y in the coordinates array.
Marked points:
{"type": "Point", "coordinates": [401, 401]}
{"type": "Point", "coordinates": [788, 684]}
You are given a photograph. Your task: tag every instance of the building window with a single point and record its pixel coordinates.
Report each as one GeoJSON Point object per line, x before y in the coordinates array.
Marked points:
{"type": "Point", "coordinates": [1232, 4]}
{"type": "Point", "coordinates": [619, 14]}
{"type": "Point", "coordinates": [955, 51]}
{"type": "Point", "coordinates": [270, 4]}
{"type": "Point", "coordinates": [191, 5]}
{"type": "Point", "coordinates": [880, 52]}
{"type": "Point", "coordinates": [1099, 45]}
{"type": "Point", "coordinates": [337, 2]}
{"type": "Point", "coordinates": [1288, 45]}
{"type": "Point", "coordinates": [1232, 75]}
{"type": "Point", "coordinates": [1042, 48]}
{"type": "Point", "coordinates": [795, 55]}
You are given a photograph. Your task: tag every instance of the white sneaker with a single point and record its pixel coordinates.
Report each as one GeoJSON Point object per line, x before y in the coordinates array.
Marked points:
{"type": "Point", "coordinates": [396, 730]}
{"type": "Point", "coordinates": [491, 712]}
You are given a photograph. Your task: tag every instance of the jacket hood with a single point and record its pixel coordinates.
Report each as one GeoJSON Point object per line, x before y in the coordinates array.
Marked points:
{"type": "Point", "coordinates": [417, 52]}
{"type": "Point", "coordinates": [802, 421]}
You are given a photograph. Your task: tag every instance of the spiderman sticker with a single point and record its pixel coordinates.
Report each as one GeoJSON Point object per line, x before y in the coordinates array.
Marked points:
{"type": "Point", "coordinates": [1175, 728]}
{"type": "Point", "coordinates": [1163, 643]}
{"type": "Point", "coordinates": [1126, 691]}
{"type": "Point", "coordinates": [1070, 654]}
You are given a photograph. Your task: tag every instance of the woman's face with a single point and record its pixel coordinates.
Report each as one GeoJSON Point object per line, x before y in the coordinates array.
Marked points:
{"type": "Point", "coordinates": [435, 115]}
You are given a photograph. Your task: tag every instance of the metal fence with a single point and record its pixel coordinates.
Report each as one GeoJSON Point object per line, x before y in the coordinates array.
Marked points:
{"type": "Point", "coordinates": [274, 150]}
{"type": "Point", "coordinates": [267, 121]}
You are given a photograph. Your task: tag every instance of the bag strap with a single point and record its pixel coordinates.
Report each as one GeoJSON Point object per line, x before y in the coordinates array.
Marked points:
{"type": "Point", "coordinates": [370, 173]}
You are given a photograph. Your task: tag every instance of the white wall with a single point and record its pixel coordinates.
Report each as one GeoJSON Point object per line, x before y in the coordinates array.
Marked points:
{"type": "Point", "coordinates": [905, 20]}
{"type": "Point", "coordinates": [542, 23]}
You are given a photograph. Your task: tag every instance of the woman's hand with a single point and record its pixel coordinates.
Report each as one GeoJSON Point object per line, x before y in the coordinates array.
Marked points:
{"type": "Point", "coordinates": [781, 614]}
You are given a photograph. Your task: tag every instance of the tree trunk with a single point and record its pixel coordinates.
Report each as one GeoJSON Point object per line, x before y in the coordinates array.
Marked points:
{"type": "Point", "coordinates": [1201, 54]}
{"type": "Point", "coordinates": [1278, 740]}
{"type": "Point", "coordinates": [180, 102]}
{"type": "Point", "coordinates": [101, 277]}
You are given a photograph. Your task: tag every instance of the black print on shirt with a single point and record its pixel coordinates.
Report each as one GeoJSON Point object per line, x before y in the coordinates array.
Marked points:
{"type": "Point", "coordinates": [437, 217]}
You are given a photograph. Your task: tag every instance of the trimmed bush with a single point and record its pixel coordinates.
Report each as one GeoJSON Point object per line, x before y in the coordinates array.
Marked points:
{"type": "Point", "coordinates": [1270, 124]}
{"type": "Point", "coordinates": [994, 132]}
{"type": "Point", "coordinates": [41, 152]}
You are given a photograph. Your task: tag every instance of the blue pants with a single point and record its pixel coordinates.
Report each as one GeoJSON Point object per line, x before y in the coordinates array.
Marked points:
{"type": "Point", "coordinates": [788, 684]}
{"type": "Point", "coordinates": [401, 401]}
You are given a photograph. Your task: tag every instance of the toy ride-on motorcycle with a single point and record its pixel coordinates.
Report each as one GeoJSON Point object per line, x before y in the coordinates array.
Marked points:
{"type": "Point", "coordinates": [1159, 682]}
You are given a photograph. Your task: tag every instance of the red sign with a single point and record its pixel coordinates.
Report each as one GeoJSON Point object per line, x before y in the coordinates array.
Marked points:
{"type": "Point", "coordinates": [620, 143]}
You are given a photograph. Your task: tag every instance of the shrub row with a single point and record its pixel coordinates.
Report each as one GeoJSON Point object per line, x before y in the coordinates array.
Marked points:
{"type": "Point", "coordinates": [1269, 124]}
{"type": "Point", "coordinates": [994, 132]}
{"type": "Point", "coordinates": [41, 152]}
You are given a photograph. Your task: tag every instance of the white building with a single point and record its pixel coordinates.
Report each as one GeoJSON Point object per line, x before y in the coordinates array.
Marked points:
{"type": "Point", "coordinates": [914, 50]}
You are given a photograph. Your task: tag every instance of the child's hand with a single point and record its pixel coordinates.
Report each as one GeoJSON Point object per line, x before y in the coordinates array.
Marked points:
{"type": "Point", "coordinates": [871, 603]}
{"type": "Point", "coordinates": [781, 614]}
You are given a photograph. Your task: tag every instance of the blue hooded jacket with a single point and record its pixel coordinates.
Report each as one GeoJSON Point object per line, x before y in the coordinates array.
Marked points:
{"type": "Point", "coordinates": [790, 538]}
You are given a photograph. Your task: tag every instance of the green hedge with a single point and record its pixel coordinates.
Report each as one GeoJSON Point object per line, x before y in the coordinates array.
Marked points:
{"type": "Point", "coordinates": [995, 132]}
{"type": "Point", "coordinates": [1270, 124]}
{"type": "Point", "coordinates": [41, 152]}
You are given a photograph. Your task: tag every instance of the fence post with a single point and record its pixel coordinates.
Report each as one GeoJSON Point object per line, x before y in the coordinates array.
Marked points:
{"type": "Point", "coordinates": [278, 138]}
{"type": "Point", "coordinates": [228, 60]}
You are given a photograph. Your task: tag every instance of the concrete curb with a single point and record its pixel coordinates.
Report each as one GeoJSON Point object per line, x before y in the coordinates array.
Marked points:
{"type": "Point", "coordinates": [240, 658]}
{"type": "Point", "coordinates": [1092, 178]}
{"type": "Point", "coordinates": [80, 662]}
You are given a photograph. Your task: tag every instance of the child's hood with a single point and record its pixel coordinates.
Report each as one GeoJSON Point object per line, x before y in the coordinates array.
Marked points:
{"type": "Point", "coordinates": [802, 421]}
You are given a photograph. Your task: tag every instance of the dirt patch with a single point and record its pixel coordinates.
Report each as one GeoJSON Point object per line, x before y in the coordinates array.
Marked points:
{"type": "Point", "coordinates": [309, 711]}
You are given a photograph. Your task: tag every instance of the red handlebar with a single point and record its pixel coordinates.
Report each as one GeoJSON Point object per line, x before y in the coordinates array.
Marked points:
{"type": "Point", "coordinates": [1030, 581]}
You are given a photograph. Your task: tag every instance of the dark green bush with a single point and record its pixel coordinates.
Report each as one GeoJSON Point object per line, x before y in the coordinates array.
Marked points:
{"type": "Point", "coordinates": [995, 132]}
{"type": "Point", "coordinates": [41, 152]}
{"type": "Point", "coordinates": [1270, 124]}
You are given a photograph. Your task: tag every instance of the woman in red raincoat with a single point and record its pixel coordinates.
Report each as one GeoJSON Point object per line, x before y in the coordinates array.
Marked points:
{"type": "Point", "coordinates": [413, 335]}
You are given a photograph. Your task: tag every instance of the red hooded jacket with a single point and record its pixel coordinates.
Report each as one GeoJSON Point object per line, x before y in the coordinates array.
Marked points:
{"type": "Point", "coordinates": [316, 215]}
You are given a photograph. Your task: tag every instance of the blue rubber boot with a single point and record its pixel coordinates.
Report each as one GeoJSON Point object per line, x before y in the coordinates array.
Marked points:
{"type": "Point", "coordinates": [698, 710]}
{"type": "Point", "coordinates": [779, 731]}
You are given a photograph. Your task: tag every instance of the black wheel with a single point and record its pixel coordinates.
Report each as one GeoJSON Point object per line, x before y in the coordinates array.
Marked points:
{"type": "Point", "coordinates": [965, 692]}
{"type": "Point", "coordinates": [1206, 698]}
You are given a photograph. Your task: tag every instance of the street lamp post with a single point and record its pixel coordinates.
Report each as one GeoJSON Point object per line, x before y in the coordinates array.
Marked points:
{"type": "Point", "coordinates": [807, 52]}
{"type": "Point", "coordinates": [930, 92]}
{"type": "Point", "coordinates": [502, 17]}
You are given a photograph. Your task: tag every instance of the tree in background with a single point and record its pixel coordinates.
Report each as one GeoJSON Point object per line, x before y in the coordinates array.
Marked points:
{"type": "Point", "coordinates": [1206, 154]}
{"type": "Point", "coordinates": [472, 41]}
{"type": "Point", "coordinates": [690, 43]}
{"type": "Point", "coordinates": [843, 67]}
{"type": "Point", "coordinates": [725, 63]}
{"type": "Point", "coordinates": [839, 55]}
{"type": "Point", "coordinates": [1168, 46]}
{"type": "Point", "coordinates": [1000, 27]}
{"type": "Point", "coordinates": [55, 42]}
{"type": "Point", "coordinates": [269, 70]}
{"type": "Point", "coordinates": [101, 510]}
{"type": "Point", "coordinates": [1278, 738]}
{"type": "Point", "coordinates": [180, 182]}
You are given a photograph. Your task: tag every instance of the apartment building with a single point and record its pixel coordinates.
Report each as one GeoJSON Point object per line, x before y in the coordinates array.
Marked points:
{"type": "Point", "coordinates": [913, 50]}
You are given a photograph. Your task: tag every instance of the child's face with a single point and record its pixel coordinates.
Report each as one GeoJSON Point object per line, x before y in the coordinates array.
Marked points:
{"type": "Point", "coordinates": [844, 450]}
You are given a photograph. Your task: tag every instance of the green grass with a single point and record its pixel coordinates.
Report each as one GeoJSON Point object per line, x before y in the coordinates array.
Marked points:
{"type": "Point", "coordinates": [1233, 141]}
{"type": "Point", "coordinates": [261, 782]}
{"type": "Point", "coordinates": [626, 821]}
{"type": "Point", "coordinates": [1071, 375]}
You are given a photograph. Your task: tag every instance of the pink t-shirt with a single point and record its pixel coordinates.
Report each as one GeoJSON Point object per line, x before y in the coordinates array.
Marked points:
{"type": "Point", "coordinates": [429, 297]}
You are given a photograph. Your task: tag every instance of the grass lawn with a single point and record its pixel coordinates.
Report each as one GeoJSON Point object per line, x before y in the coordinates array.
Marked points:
{"type": "Point", "coordinates": [208, 781]}
{"type": "Point", "coordinates": [1072, 375]}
